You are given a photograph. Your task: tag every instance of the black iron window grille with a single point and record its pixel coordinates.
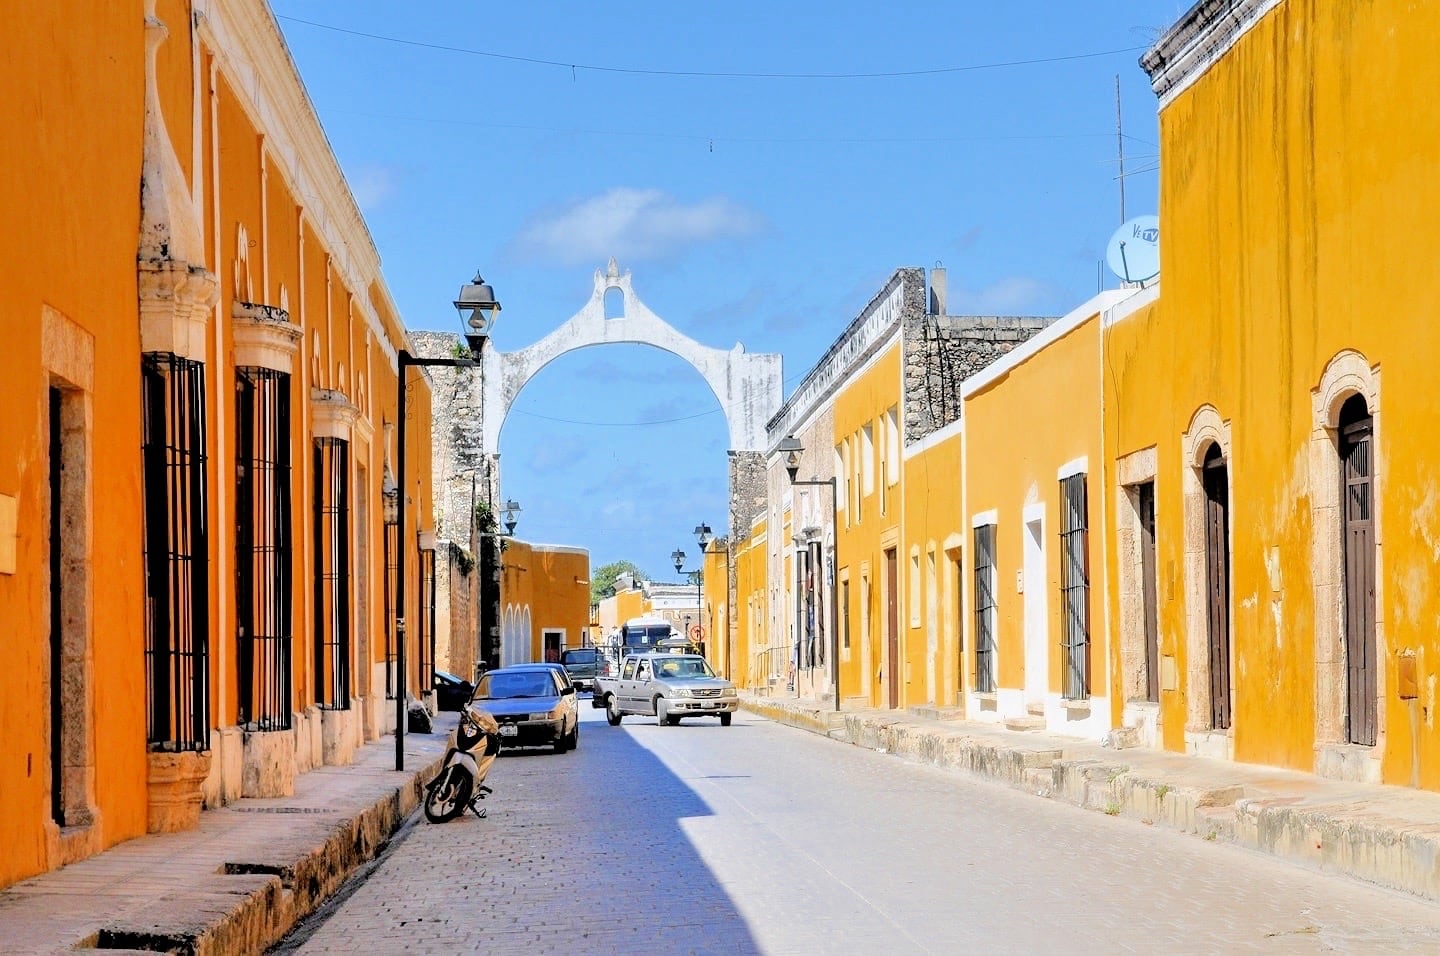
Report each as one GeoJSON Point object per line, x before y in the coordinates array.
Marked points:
{"type": "Point", "coordinates": [985, 609]}
{"type": "Point", "coordinates": [177, 554]}
{"type": "Point", "coordinates": [264, 618]}
{"type": "Point", "coordinates": [392, 568]}
{"type": "Point", "coordinates": [427, 618]}
{"type": "Point", "coordinates": [332, 573]}
{"type": "Point", "coordinates": [1075, 585]}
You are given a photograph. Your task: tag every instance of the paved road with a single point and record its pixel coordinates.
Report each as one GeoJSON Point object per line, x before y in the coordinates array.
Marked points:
{"type": "Point", "coordinates": [759, 838]}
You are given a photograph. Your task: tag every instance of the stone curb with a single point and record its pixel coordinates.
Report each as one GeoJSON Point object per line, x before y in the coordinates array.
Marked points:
{"type": "Point", "coordinates": [1353, 832]}
{"type": "Point", "coordinates": [254, 902]}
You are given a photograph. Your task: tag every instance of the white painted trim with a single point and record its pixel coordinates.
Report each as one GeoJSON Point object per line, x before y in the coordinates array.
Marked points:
{"type": "Point", "coordinates": [1053, 332]}
{"type": "Point", "coordinates": [1078, 466]}
{"type": "Point", "coordinates": [939, 436]}
{"type": "Point", "coordinates": [1123, 310]}
{"type": "Point", "coordinates": [1034, 512]}
{"type": "Point", "coordinates": [983, 518]}
{"type": "Point", "coordinates": [1199, 41]}
{"type": "Point", "coordinates": [827, 401]}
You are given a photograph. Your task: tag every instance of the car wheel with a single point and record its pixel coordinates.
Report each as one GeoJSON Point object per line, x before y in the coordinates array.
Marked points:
{"type": "Point", "coordinates": [672, 720]}
{"type": "Point", "coordinates": [612, 713]}
{"type": "Point", "coordinates": [725, 719]}
{"type": "Point", "coordinates": [575, 735]}
{"type": "Point", "coordinates": [661, 717]}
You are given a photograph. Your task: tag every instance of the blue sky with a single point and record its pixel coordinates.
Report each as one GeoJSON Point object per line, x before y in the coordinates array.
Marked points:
{"type": "Point", "coordinates": [532, 141]}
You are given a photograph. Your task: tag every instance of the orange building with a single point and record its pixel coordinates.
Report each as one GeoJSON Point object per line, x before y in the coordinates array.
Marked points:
{"type": "Point", "coordinates": [545, 592]}
{"type": "Point", "coordinates": [200, 378]}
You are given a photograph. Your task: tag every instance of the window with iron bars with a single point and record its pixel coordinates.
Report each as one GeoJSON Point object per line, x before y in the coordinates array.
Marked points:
{"type": "Point", "coordinates": [332, 573]}
{"type": "Point", "coordinates": [264, 605]}
{"type": "Point", "coordinates": [427, 618]}
{"type": "Point", "coordinates": [177, 554]}
{"type": "Point", "coordinates": [392, 569]}
{"type": "Point", "coordinates": [1075, 585]}
{"type": "Point", "coordinates": [985, 609]}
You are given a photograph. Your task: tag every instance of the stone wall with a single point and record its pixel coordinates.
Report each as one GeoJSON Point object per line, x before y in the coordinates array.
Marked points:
{"type": "Point", "coordinates": [747, 491]}
{"type": "Point", "coordinates": [941, 351]}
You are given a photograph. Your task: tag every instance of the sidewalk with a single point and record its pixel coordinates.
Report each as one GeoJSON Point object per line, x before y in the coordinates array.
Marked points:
{"type": "Point", "coordinates": [1382, 834]}
{"type": "Point", "coordinates": [240, 880]}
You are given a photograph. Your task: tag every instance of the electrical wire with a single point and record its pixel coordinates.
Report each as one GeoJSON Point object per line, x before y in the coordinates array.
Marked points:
{"type": "Point", "coordinates": [637, 71]}
{"type": "Point", "coordinates": [712, 139]}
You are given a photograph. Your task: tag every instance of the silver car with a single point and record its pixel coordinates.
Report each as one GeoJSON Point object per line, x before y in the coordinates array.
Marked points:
{"type": "Point", "coordinates": [671, 687]}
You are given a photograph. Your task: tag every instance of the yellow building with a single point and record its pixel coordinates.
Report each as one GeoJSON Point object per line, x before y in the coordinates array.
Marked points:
{"type": "Point", "coordinates": [545, 590]}
{"type": "Point", "coordinates": [1278, 396]}
{"type": "Point", "coordinates": [200, 377]}
{"type": "Point", "coordinates": [1037, 632]}
{"type": "Point", "coordinates": [867, 532]}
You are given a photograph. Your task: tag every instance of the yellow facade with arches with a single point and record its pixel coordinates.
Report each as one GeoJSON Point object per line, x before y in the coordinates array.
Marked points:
{"type": "Point", "coordinates": [1281, 393]}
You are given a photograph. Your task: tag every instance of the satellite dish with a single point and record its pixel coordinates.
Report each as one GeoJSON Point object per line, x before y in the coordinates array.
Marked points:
{"type": "Point", "coordinates": [1134, 251]}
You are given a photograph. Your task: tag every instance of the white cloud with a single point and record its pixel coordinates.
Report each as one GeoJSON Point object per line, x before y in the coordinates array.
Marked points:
{"type": "Point", "coordinates": [371, 186]}
{"type": "Point", "coordinates": [631, 225]}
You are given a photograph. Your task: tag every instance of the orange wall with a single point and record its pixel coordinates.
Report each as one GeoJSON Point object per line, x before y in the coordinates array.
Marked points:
{"type": "Point", "coordinates": [554, 584]}
{"type": "Point", "coordinates": [71, 247]}
{"type": "Point", "coordinates": [76, 99]}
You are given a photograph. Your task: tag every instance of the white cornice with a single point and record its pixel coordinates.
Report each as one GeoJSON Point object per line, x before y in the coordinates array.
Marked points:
{"type": "Point", "coordinates": [1056, 330]}
{"type": "Point", "coordinates": [250, 50]}
{"type": "Point", "coordinates": [1199, 40]}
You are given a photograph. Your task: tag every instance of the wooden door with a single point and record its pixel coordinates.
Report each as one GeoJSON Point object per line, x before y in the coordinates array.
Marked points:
{"type": "Point", "coordinates": [892, 632]}
{"type": "Point", "coordinates": [1358, 492]}
{"type": "Point", "coordinates": [1145, 505]}
{"type": "Point", "coordinates": [1217, 575]}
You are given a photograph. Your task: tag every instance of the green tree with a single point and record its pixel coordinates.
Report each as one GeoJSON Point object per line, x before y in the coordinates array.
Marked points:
{"type": "Point", "coordinates": [602, 579]}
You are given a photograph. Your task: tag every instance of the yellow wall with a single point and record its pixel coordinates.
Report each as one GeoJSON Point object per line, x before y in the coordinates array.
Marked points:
{"type": "Point", "coordinates": [936, 526]}
{"type": "Point", "coordinates": [1020, 430]}
{"type": "Point", "coordinates": [1297, 208]}
{"type": "Point", "coordinates": [864, 535]}
{"type": "Point", "coordinates": [751, 607]}
{"type": "Point", "coordinates": [716, 613]}
{"type": "Point", "coordinates": [553, 583]}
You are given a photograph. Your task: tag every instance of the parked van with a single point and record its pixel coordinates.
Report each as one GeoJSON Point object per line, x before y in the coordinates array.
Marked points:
{"type": "Point", "coordinates": [583, 665]}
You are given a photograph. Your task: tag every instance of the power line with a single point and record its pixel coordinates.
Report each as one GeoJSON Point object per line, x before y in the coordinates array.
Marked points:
{"type": "Point", "coordinates": [637, 71]}
{"type": "Point", "coordinates": [704, 137]}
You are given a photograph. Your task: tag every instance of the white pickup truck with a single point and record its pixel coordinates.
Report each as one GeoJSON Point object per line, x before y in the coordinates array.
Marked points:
{"type": "Point", "coordinates": [667, 687]}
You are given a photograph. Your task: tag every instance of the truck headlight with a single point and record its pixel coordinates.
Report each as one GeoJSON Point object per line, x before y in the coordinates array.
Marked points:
{"type": "Point", "coordinates": [727, 692]}
{"type": "Point", "coordinates": [680, 692]}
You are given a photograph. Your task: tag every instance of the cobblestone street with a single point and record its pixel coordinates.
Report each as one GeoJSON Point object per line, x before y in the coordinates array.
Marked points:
{"type": "Point", "coordinates": [763, 839]}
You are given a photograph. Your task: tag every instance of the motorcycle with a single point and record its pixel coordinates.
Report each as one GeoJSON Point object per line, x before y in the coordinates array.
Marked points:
{"type": "Point", "coordinates": [460, 784]}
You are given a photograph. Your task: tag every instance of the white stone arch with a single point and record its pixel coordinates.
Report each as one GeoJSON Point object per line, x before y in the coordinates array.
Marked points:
{"type": "Point", "coordinates": [1348, 373]}
{"type": "Point", "coordinates": [1206, 428]}
{"type": "Point", "coordinates": [749, 387]}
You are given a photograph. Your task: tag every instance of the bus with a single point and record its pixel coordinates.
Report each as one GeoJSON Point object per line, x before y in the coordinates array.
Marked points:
{"type": "Point", "coordinates": [639, 635]}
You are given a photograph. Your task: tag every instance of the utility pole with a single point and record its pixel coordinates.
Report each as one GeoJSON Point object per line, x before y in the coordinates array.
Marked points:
{"type": "Point", "coordinates": [1120, 146]}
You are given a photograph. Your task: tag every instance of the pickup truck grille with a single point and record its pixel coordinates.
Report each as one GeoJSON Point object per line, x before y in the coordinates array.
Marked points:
{"type": "Point", "coordinates": [707, 692]}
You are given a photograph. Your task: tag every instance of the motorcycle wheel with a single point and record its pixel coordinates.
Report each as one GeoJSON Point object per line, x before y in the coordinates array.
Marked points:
{"type": "Point", "coordinates": [448, 796]}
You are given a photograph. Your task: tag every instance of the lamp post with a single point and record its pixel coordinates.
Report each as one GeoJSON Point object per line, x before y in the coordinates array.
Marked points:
{"type": "Point", "coordinates": [702, 536]}
{"type": "Point", "coordinates": [477, 308]}
{"type": "Point", "coordinates": [792, 449]}
{"type": "Point", "coordinates": [509, 517]}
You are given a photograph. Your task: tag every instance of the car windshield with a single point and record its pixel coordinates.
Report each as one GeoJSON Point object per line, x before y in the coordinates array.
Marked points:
{"type": "Point", "coordinates": [684, 667]}
{"type": "Point", "coordinates": [578, 657]}
{"type": "Point", "coordinates": [498, 685]}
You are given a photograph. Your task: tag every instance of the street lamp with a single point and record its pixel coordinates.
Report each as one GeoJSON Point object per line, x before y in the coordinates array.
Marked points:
{"type": "Point", "coordinates": [791, 448]}
{"type": "Point", "coordinates": [478, 308]}
{"type": "Point", "coordinates": [702, 536]}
